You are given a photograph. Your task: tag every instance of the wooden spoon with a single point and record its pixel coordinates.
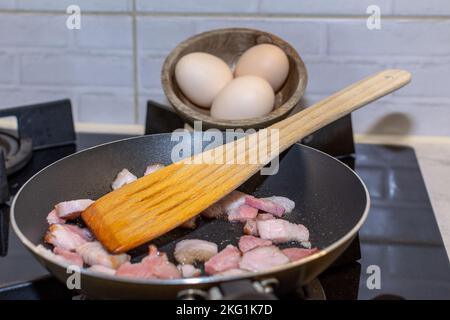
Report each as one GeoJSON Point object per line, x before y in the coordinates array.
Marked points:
{"type": "Point", "coordinates": [159, 202]}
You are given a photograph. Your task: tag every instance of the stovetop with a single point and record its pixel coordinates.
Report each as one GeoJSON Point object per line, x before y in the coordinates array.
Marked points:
{"type": "Point", "coordinates": [400, 240]}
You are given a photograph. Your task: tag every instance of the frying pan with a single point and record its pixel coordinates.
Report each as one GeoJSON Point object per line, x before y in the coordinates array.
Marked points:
{"type": "Point", "coordinates": [331, 200]}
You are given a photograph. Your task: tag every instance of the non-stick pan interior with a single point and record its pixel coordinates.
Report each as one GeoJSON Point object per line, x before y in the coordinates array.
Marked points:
{"type": "Point", "coordinates": [329, 197]}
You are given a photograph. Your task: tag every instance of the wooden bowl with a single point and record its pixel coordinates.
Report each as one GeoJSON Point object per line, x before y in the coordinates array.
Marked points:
{"type": "Point", "coordinates": [229, 45]}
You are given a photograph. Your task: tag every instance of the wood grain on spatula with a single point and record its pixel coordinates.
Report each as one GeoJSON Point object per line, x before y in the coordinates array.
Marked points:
{"type": "Point", "coordinates": [157, 203]}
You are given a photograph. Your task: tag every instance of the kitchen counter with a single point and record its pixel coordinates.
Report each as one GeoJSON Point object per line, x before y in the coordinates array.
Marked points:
{"type": "Point", "coordinates": [433, 154]}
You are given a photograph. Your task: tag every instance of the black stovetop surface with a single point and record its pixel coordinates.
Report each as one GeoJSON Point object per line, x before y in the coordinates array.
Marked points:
{"type": "Point", "coordinates": [401, 238]}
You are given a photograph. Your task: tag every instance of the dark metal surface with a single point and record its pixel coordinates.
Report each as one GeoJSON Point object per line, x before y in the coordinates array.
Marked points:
{"type": "Point", "coordinates": [330, 202]}
{"type": "Point", "coordinates": [43, 288]}
{"type": "Point", "coordinates": [160, 120]}
{"type": "Point", "coordinates": [336, 139]}
{"type": "Point", "coordinates": [401, 235]}
{"type": "Point", "coordinates": [17, 151]}
{"type": "Point", "coordinates": [47, 124]}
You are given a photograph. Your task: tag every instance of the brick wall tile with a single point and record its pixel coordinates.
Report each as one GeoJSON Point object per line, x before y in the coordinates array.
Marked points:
{"type": "Point", "coordinates": [77, 70]}
{"type": "Point", "coordinates": [87, 5]}
{"type": "Point", "coordinates": [105, 32]}
{"type": "Point", "coordinates": [396, 37]}
{"type": "Point", "coordinates": [39, 30]}
{"type": "Point", "coordinates": [106, 108]}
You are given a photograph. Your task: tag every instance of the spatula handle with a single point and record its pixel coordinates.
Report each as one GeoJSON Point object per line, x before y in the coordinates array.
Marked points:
{"type": "Point", "coordinates": [338, 105]}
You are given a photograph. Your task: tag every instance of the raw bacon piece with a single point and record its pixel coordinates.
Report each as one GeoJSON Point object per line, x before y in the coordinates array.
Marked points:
{"type": "Point", "coordinates": [280, 231]}
{"type": "Point", "coordinates": [250, 227]}
{"type": "Point", "coordinates": [57, 258]}
{"type": "Point", "coordinates": [53, 218]}
{"type": "Point", "coordinates": [102, 269]}
{"type": "Point", "coordinates": [225, 205]}
{"type": "Point", "coordinates": [93, 253]}
{"type": "Point", "coordinates": [295, 254]}
{"type": "Point", "coordinates": [123, 177]}
{"type": "Point", "coordinates": [82, 232]}
{"type": "Point", "coordinates": [72, 258]}
{"type": "Point", "coordinates": [59, 235]}
{"type": "Point", "coordinates": [265, 216]}
{"type": "Point", "coordinates": [247, 243]}
{"type": "Point", "coordinates": [189, 271]}
{"type": "Point", "coordinates": [191, 250]}
{"type": "Point", "coordinates": [136, 270]}
{"type": "Point", "coordinates": [226, 259]}
{"type": "Point", "coordinates": [73, 208]}
{"type": "Point", "coordinates": [263, 258]}
{"type": "Point", "coordinates": [153, 168]}
{"type": "Point", "coordinates": [159, 265]}
{"type": "Point", "coordinates": [265, 205]}
{"type": "Point", "coordinates": [286, 203]}
{"type": "Point", "coordinates": [242, 213]}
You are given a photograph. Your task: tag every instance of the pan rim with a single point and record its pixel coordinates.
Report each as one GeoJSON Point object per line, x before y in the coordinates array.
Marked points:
{"type": "Point", "coordinates": [197, 280]}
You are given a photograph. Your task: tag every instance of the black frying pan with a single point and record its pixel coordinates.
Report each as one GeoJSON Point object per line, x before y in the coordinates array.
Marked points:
{"type": "Point", "coordinates": [331, 200]}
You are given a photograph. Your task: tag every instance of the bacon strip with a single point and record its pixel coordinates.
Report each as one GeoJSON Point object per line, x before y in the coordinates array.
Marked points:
{"type": "Point", "coordinates": [93, 253]}
{"type": "Point", "coordinates": [59, 235]}
{"type": "Point", "coordinates": [280, 231]}
{"type": "Point", "coordinates": [73, 208]}
{"type": "Point", "coordinates": [263, 258]}
{"type": "Point", "coordinates": [226, 259]}
{"type": "Point", "coordinates": [265, 205]}
{"type": "Point", "coordinates": [123, 177]}
{"type": "Point", "coordinates": [247, 243]}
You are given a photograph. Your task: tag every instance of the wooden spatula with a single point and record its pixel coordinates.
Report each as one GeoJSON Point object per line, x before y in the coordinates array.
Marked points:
{"type": "Point", "coordinates": [154, 204]}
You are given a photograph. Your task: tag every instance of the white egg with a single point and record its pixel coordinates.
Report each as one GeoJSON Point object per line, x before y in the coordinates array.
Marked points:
{"type": "Point", "coordinates": [201, 76]}
{"type": "Point", "coordinates": [243, 98]}
{"type": "Point", "coordinates": [266, 61]}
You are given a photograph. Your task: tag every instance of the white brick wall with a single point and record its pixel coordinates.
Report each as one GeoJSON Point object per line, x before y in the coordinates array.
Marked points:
{"type": "Point", "coordinates": [29, 30]}
{"type": "Point", "coordinates": [88, 5]}
{"type": "Point", "coordinates": [322, 7]}
{"type": "Point", "coordinates": [397, 37]}
{"type": "Point", "coordinates": [196, 6]}
{"type": "Point", "coordinates": [421, 7]}
{"type": "Point", "coordinates": [106, 108]}
{"type": "Point", "coordinates": [105, 32]}
{"type": "Point", "coordinates": [161, 34]}
{"type": "Point", "coordinates": [7, 68]}
{"type": "Point", "coordinates": [108, 65]}
{"type": "Point", "coordinates": [76, 70]}
{"type": "Point", "coordinates": [7, 4]}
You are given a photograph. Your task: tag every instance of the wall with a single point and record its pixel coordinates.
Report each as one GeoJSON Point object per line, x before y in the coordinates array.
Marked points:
{"type": "Point", "coordinates": [111, 66]}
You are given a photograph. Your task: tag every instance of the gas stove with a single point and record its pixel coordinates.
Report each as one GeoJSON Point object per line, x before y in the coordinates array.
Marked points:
{"type": "Point", "coordinates": [399, 252]}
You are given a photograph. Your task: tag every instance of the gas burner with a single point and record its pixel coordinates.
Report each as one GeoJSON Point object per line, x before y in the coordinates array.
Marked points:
{"type": "Point", "coordinates": [17, 152]}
